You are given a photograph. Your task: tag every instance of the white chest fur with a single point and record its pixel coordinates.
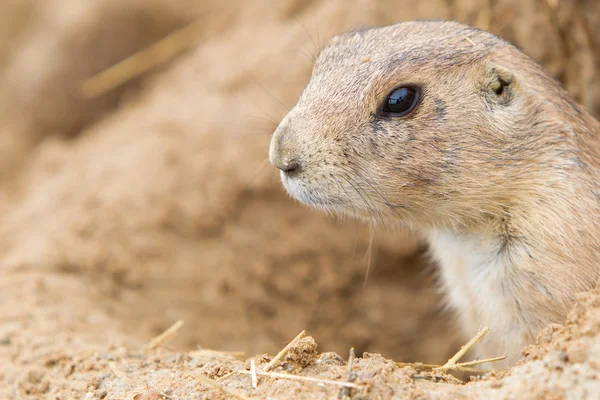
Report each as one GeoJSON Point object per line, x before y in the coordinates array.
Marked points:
{"type": "Point", "coordinates": [475, 276]}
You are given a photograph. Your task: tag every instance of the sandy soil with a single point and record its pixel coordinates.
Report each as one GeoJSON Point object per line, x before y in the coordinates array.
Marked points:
{"type": "Point", "coordinates": [153, 203]}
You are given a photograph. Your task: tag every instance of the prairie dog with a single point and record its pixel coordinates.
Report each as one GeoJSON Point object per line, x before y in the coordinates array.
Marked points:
{"type": "Point", "coordinates": [455, 134]}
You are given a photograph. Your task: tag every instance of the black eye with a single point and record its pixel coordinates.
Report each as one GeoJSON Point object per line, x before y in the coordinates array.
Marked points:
{"type": "Point", "coordinates": [401, 101]}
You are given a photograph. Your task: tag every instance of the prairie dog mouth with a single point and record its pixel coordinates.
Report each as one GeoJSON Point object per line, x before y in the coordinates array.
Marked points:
{"type": "Point", "coordinates": [300, 191]}
{"type": "Point", "coordinates": [338, 202]}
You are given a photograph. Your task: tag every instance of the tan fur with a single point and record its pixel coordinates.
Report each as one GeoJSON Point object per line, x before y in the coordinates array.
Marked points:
{"type": "Point", "coordinates": [504, 187]}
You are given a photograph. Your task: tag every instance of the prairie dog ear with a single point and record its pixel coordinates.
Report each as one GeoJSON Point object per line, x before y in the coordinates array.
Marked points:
{"type": "Point", "coordinates": [499, 83]}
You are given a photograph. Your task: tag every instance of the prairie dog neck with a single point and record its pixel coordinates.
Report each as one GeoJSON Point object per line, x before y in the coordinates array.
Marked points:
{"type": "Point", "coordinates": [472, 271]}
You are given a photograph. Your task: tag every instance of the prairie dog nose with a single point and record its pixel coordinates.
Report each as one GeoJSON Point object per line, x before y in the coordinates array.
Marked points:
{"type": "Point", "coordinates": [282, 152]}
{"type": "Point", "coordinates": [288, 165]}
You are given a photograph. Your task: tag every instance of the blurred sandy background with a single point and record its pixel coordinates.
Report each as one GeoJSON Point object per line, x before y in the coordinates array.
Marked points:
{"type": "Point", "coordinates": [153, 202]}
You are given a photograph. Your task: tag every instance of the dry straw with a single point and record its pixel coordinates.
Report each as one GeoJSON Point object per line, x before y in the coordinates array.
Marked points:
{"type": "Point", "coordinates": [142, 61]}
{"type": "Point", "coordinates": [165, 337]}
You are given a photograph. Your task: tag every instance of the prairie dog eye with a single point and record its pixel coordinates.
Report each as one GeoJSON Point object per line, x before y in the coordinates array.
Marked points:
{"type": "Point", "coordinates": [401, 101]}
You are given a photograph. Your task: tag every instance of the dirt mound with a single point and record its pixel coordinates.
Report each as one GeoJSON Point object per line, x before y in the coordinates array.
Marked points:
{"type": "Point", "coordinates": [153, 203]}
{"type": "Point", "coordinates": [564, 364]}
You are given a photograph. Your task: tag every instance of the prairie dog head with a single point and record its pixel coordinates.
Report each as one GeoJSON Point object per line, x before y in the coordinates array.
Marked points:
{"type": "Point", "coordinates": [426, 122]}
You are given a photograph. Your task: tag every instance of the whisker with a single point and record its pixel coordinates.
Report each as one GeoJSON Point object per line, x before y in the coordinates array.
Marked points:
{"type": "Point", "coordinates": [370, 205]}
{"type": "Point", "coordinates": [353, 212]}
{"type": "Point", "coordinates": [313, 56]}
{"type": "Point", "coordinates": [318, 34]}
{"type": "Point", "coordinates": [264, 119]}
{"type": "Point", "coordinates": [308, 55]}
{"type": "Point", "coordinates": [347, 195]}
{"type": "Point", "coordinates": [378, 219]}
{"type": "Point", "coordinates": [271, 95]}
{"type": "Point", "coordinates": [369, 252]}
{"type": "Point", "coordinates": [380, 194]}
{"type": "Point", "coordinates": [260, 169]}
{"type": "Point", "coordinates": [269, 117]}
{"type": "Point", "coordinates": [241, 135]}
{"type": "Point", "coordinates": [359, 193]}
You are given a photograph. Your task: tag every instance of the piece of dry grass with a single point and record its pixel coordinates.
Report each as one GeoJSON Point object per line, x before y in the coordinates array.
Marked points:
{"type": "Point", "coordinates": [464, 366]}
{"type": "Point", "coordinates": [116, 371]}
{"type": "Point", "coordinates": [452, 363]}
{"type": "Point", "coordinates": [279, 375]}
{"type": "Point", "coordinates": [165, 337]}
{"type": "Point", "coordinates": [236, 354]}
{"type": "Point", "coordinates": [421, 366]}
{"type": "Point", "coordinates": [443, 377]}
{"type": "Point", "coordinates": [468, 39]}
{"type": "Point", "coordinates": [477, 362]}
{"type": "Point", "coordinates": [284, 351]}
{"type": "Point", "coordinates": [253, 373]}
{"type": "Point", "coordinates": [346, 391]}
{"type": "Point", "coordinates": [214, 385]}
{"type": "Point", "coordinates": [142, 61]}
